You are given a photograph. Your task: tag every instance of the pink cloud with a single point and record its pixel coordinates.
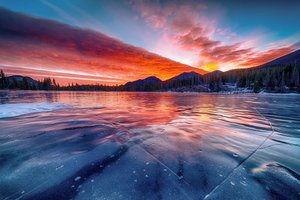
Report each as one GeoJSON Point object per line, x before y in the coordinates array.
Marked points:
{"type": "Point", "coordinates": [195, 40]}
{"type": "Point", "coordinates": [189, 30]}
{"type": "Point", "coordinates": [258, 58]}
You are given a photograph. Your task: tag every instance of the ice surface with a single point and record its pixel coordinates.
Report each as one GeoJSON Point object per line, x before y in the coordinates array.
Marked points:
{"type": "Point", "coordinates": [152, 146]}
{"type": "Point", "coordinates": [13, 110]}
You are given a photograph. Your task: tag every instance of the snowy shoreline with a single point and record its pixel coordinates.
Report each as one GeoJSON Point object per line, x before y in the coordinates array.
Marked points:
{"type": "Point", "coordinates": [17, 109]}
{"type": "Point", "coordinates": [169, 91]}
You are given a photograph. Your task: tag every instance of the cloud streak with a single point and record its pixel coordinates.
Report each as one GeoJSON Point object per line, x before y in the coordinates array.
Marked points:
{"type": "Point", "coordinates": [38, 43]}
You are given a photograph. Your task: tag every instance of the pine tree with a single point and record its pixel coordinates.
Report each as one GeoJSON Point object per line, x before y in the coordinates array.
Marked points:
{"type": "Point", "coordinates": [257, 85]}
{"type": "Point", "coordinates": [3, 80]}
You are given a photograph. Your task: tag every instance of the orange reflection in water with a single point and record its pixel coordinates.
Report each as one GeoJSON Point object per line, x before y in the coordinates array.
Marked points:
{"type": "Point", "coordinates": [182, 118]}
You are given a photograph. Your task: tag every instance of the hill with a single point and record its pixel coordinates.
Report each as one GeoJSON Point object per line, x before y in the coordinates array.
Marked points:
{"type": "Point", "coordinates": [149, 80]}
{"type": "Point", "coordinates": [183, 79]}
{"type": "Point", "coordinates": [291, 58]}
{"type": "Point", "coordinates": [26, 82]}
{"type": "Point", "coordinates": [149, 83]}
{"type": "Point", "coordinates": [186, 75]}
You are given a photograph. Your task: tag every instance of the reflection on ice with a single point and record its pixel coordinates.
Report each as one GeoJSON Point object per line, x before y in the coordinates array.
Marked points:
{"type": "Point", "coordinates": [151, 146]}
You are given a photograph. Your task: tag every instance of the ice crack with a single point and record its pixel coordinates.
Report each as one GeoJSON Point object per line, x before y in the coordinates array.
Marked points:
{"type": "Point", "coordinates": [245, 159]}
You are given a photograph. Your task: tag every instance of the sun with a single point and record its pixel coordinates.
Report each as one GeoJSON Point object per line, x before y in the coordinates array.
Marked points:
{"type": "Point", "coordinates": [211, 67]}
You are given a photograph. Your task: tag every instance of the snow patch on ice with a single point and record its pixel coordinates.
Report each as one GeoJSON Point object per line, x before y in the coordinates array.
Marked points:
{"type": "Point", "coordinates": [13, 110]}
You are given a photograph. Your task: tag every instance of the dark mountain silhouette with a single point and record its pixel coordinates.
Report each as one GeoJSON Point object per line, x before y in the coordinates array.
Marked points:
{"type": "Point", "coordinates": [183, 80]}
{"type": "Point", "coordinates": [216, 72]}
{"type": "Point", "coordinates": [150, 83]}
{"type": "Point", "coordinates": [149, 80]}
{"type": "Point", "coordinates": [20, 78]}
{"type": "Point", "coordinates": [186, 75]}
{"type": "Point", "coordinates": [291, 58]}
{"type": "Point", "coordinates": [24, 81]}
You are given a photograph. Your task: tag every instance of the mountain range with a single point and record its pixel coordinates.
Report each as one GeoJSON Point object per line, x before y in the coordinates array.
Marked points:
{"type": "Point", "coordinates": [292, 58]}
{"type": "Point", "coordinates": [279, 75]}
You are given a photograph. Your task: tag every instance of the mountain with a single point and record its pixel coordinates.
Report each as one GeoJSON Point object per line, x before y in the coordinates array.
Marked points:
{"type": "Point", "coordinates": [292, 58]}
{"type": "Point", "coordinates": [212, 75]}
{"type": "Point", "coordinates": [22, 80]}
{"type": "Point", "coordinates": [147, 84]}
{"type": "Point", "coordinates": [183, 80]}
{"type": "Point", "coordinates": [149, 80]}
{"type": "Point", "coordinates": [186, 75]}
{"type": "Point", "coordinates": [187, 81]}
{"type": "Point", "coordinates": [216, 72]}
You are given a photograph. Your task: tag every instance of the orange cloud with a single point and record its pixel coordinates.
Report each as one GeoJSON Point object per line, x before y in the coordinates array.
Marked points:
{"type": "Point", "coordinates": [259, 58]}
{"type": "Point", "coordinates": [46, 48]}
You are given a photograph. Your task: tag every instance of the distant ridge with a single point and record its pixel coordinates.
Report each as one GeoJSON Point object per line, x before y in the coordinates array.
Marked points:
{"type": "Point", "coordinates": [152, 82]}
{"type": "Point", "coordinates": [185, 75]}
{"type": "Point", "coordinates": [17, 79]}
{"type": "Point", "coordinates": [216, 72]}
{"type": "Point", "coordinates": [149, 83]}
{"type": "Point", "coordinates": [291, 58]}
{"type": "Point", "coordinates": [148, 80]}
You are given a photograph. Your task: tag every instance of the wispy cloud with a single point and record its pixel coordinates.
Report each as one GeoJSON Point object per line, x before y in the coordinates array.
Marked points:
{"type": "Point", "coordinates": [187, 27]}
{"type": "Point", "coordinates": [59, 11]}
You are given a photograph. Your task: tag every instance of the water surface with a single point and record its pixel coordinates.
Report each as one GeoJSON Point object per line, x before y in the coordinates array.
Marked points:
{"type": "Point", "coordinates": [109, 145]}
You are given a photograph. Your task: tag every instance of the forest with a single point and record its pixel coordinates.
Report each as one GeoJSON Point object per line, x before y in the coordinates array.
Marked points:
{"type": "Point", "coordinates": [277, 78]}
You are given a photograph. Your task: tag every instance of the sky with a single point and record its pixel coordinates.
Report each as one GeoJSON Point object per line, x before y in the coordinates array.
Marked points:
{"type": "Point", "coordinates": [112, 42]}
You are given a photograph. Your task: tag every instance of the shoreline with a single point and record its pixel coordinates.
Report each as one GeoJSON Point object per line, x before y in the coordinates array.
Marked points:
{"type": "Point", "coordinates": [185, 92]}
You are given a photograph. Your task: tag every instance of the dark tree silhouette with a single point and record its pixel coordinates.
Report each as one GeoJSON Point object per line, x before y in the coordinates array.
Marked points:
{"type": "Point", "coordinates": [277, 78]}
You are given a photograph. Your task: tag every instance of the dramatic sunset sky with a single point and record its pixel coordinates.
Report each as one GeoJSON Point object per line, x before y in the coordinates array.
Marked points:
{"type": "Point", "coordinates": [112, 42]}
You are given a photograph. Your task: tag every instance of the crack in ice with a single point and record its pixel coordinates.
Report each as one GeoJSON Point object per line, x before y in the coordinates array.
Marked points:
{"type": "Point", "coordinates": [245, 159]}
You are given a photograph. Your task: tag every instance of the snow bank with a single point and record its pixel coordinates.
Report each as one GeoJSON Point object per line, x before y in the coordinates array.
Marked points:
{"type": "Point", "coordinates": [12, 110]}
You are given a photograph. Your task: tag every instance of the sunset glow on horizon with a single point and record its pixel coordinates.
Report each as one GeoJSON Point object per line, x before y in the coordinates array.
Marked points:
{"type": "Point", "coordinates": [115, 42]}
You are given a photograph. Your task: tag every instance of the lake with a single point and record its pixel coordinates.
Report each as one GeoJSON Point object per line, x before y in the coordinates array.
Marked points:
{"type": "Point", "coordinates": [128, 145]}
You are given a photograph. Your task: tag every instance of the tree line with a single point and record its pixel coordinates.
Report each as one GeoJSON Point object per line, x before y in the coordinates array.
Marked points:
{"type": "Point", "coordinates": [279, 78]}
{"type": "Point", "coordinates": [26, 83]}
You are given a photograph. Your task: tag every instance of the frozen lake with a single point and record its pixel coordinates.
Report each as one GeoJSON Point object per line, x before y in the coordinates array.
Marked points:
{"type": "Point", "coordinates": [97, 145]}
